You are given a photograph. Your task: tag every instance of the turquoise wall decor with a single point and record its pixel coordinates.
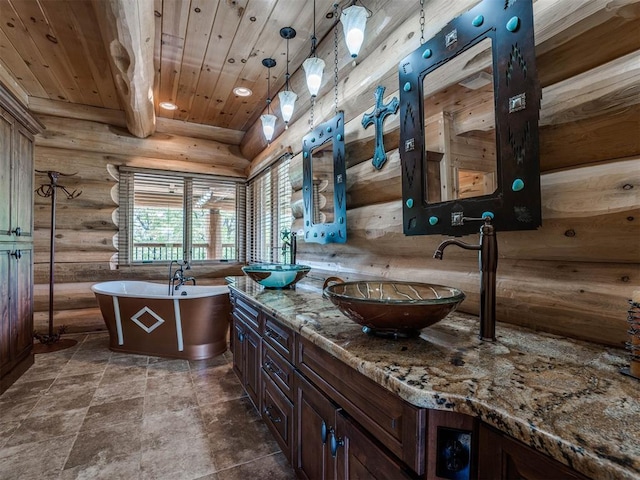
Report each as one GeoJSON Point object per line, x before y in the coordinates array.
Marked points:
{"type": "Point", "coordinates": [380, 112]}
{"type": "Point", "coordinates": [324, 174]}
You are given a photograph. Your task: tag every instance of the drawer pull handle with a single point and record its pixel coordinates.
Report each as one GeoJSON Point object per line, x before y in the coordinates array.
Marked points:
{"type": "Point", "coordinates": [271, 334]}
{"type": "Point", "coordinates": [267, 412]}
{"type": "Point", "coordinates": [241, 336]}
{"type": "Point", "coordinates": [17, 254]}
{"type": "Point", "coordinates": [335, 444]}
{"type": "Point", "coordinates": [17, 231]}
{"type": "Point", "coordinates": [323, 432]}
{"type": "Point", "coordinates": [270, 367]}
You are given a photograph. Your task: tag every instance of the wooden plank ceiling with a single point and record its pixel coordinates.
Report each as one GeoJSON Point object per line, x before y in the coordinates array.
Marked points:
{"type": "Point", "coordinates": [203, 49]}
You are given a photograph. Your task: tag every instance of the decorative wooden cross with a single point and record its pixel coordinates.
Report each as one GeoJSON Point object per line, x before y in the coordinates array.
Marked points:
{"type": "Point", "coordinates": [378, 115]}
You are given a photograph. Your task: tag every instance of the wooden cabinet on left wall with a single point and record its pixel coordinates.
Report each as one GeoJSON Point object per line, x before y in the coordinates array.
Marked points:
{"type": "Point", "coordinates": [17, 128]}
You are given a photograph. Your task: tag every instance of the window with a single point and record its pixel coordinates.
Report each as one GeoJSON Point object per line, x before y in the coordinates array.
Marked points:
{"type": "Point", "coordinates": [269, 213]}
{"type": "Point", "coordinates": [171, 216]}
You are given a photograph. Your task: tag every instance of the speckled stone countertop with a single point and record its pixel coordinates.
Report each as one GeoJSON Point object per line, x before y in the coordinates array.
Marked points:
{"type": "Point", "coordinates": [563, 397]}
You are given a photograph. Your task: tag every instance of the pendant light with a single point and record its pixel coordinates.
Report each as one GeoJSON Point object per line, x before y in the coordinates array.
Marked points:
{"type": "Point", "coordinates": [268, 120]}
{"type": "Point", "coordinates": [287, 98]}
{"type": "Point", "coordinates": [354, 21]}
{"type": "Point", "coordinates": [313, 66]}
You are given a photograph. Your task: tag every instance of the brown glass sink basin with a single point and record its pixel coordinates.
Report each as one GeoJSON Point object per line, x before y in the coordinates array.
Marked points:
{"type": "Point", "coordinates": [392, 308]}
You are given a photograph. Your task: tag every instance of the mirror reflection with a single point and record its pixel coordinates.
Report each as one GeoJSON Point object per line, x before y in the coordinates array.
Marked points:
{"type": "Point", "coordinates": [459, 122]}
{"type": "Point", "coordinates": [323, 185]}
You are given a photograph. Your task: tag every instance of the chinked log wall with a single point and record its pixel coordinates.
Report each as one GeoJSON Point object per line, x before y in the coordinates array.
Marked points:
{"type": "Point", "coordinates": [86, 225]}
{"type": "Point", "coordinates": [572, 276]}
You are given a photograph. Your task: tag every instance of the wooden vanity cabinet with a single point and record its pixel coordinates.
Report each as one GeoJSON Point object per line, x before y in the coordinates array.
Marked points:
{"type": "Point", "coordinates": [504, 458]}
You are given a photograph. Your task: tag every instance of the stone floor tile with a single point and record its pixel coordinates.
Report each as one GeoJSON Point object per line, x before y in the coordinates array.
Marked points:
{"type": "Point", "coordinates": [82, 380]}
{"type": "Point", "coordinates": [174, 382]}
{"type": "Point", "coordinates": [274, 467]}
{"type": "Point", "coordinates": [115, 373]}
{"type": "Point", "coordinates": [6, 430]}
{"type": "Point", "coordinates": [112, 392]}
{"type": "Point", "coordinates": [169, 402]}
{"type": "Point", "coordinates": [122, 411]}
{"type": "Point", "coordinates": [129, 359]}
{"type": "Point", "coordinates": [16, 410]}
{"type": "Point", "coordinates": [119, 468]}
{"type": "Point", "coordinates": [26, 390]}
{"type": "Point", "coordinates": [185, 460]}
{"type": "Point", "coordinates": [35, 461]}
{"type": "Point", "coordinates": [162, 431]}
{"type": "Point", "coordinates": [36, 428]}
{"type": "Point", "coordinates": [218, 385]}
{"type": "Point", "coordinates": [70, 397]}
{"type": "Point", "coordinates": [103, 445]}
{"type": "Point", "coordinates": [83, 366]}
{"type": "Point", "coordinates": [236, 433]}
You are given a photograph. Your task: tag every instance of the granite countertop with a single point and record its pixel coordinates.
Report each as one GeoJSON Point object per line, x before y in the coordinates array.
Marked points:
{"type": "Point", "coordinates": [563, 397]}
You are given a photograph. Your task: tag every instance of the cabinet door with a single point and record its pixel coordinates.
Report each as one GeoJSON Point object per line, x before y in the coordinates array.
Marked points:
{"type": "Point", "coordinates": [253, 360]}
{"type": "Point", "coordinates": [315, 415]}
{"type": "Point", "coordinates": [6, 147]}
{"type": "Point", "coordinates": [22, 183]}
{"type": "Point", "coordinates": [358, 457]}
{"type": "Point", "coordinates": [502, 457]}
{"type": "Point", "coordinates": [238, 347]}
{"type": "Point", "coordinates": [5, 324]}
{"type": "Point", "coordinates": [22, 300]}
{"type": "Point", "coordinates": [247, 358]}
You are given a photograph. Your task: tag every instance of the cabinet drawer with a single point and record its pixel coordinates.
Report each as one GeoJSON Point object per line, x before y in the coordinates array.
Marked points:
{"type": "Point", "coordinates": [398, 425]}
{"type": "Point", "coordinates": [277, 412]}
{"type": "Point", "coordinates": [279, 337]}
{"type": "Point", "coordinates": [278, 369]}
{"type": "Point", "coordinates": [247, 312]}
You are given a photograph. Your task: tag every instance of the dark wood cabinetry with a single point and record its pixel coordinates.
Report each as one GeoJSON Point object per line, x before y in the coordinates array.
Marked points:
{"type": "Point", "coordinates": [502, 457]}
{"type": "Point", "coordinates": [16, 239]}
{"type": "Point", "coordinates": [246, 357]}
{"type": "Point", "coordinates": [332, 422]}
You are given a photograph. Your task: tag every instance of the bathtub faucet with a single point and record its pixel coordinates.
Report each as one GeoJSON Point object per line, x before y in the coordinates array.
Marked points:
{"type": "Point", "coordinates": [488, 263]}
{"type": "Point", "coordinates": [177, 278]}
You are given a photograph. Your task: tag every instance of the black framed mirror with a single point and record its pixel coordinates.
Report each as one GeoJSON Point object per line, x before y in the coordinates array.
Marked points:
{"type": "Point", "coordinates": [324, 187]}
{"type": "Point", "coordinates": [469, 107]}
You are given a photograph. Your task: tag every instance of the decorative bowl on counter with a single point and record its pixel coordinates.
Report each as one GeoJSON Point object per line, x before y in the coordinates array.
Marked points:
{"type": "Point", "coordinates": [276, 275]}
{"type": "Point", "coordinates": [394, 309]}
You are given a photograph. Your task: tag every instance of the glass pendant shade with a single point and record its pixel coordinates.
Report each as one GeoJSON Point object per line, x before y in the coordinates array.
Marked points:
{"type": "Point", "coordinates": [287, 104]}
{"type": "Point", "coordinates": [313, 68]}
{"type": "Point", "coordinates": [268, 126]}
{"type": "Point", "coordinates": [354, 20]}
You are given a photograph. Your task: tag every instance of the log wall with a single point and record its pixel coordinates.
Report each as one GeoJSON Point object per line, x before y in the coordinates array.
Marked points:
{"type": "Point", "coordinates": [573, 275]}
{"type": "Point", "coordinates": [86, 226]}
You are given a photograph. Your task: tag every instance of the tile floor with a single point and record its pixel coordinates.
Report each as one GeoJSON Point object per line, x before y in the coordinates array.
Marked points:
{"type": "Point", "coordinates": [89, 413]}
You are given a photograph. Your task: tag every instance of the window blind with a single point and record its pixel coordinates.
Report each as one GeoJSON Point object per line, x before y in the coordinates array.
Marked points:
{"type": "Point", "coordinates": [269, 212]}
{"type": "Point", "coordinates": [166, 216]}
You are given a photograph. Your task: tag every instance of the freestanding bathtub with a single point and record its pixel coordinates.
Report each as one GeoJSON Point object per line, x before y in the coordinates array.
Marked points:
{"type": "Point", "coordinates": [142, 318]}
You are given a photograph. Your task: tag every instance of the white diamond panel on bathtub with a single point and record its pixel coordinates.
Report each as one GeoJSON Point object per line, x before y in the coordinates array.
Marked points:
{"type": "Point", "coordinates": [136, 319]}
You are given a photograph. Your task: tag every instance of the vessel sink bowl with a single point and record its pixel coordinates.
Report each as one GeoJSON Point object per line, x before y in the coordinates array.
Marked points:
{"type": "Point", "coordinates": [394, 309]}
{"type": "Point", "coordinates": [276, 275]}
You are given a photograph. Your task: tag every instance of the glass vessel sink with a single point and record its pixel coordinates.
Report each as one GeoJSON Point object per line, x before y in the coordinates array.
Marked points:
{"type": "Point", "coordinates": [395, 309]}
{"type": "Point", "coordinates": [276, 275]}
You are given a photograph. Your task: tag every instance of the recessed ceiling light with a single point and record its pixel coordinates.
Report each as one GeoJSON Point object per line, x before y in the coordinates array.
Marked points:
{"type": "Point", "coordinates": [168, 106]}
{"type": "Point", "coordinates": [242, 91]}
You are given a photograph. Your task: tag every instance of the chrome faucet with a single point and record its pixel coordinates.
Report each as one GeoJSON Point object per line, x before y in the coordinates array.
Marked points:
{"type": "Point", "coordinates": [488, 263]}
{"type": "Point", "coordinates": [178, 276]}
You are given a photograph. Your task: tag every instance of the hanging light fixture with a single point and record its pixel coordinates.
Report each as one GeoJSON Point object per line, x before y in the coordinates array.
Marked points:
{"type": "Point", "coordinates": [287, 97]}
{"type": "Point", "coordinates": [268, 120]}
{"type": "Point", "coordinates": [313, 66]}
{"type": "Point", "coordinates": [354, 21]}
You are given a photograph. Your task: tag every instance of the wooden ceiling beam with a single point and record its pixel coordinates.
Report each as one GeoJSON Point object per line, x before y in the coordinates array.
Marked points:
{"type": "Point", "coordinates": [128, 32]}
